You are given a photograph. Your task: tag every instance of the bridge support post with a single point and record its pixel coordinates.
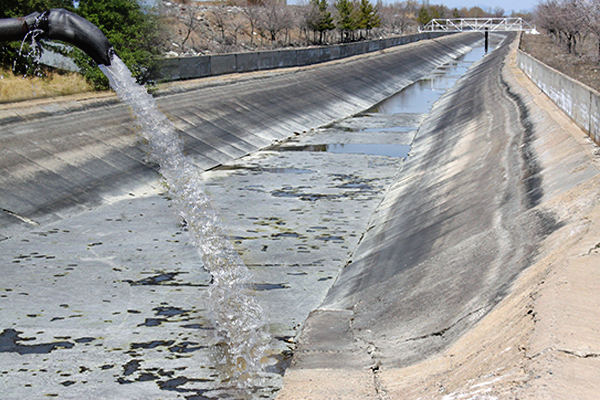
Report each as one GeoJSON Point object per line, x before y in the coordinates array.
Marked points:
{"type": "Point", "coordinates": [486, 40]}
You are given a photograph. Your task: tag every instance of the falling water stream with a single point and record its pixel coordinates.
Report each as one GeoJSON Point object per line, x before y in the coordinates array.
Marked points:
{"type": "Point", "coordinates": [241, 325]}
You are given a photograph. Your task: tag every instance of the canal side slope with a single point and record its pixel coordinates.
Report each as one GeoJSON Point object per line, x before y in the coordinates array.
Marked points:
{"type": "Point", "coordinates": [475, 278]}
{"type": "Point", "coordinates": [64, 157]}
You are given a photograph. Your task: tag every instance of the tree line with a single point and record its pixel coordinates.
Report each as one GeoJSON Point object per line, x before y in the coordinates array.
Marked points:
{"type": "Point", "coordinates": [570, 21]}
{"type": "Point", "coordinates": [350, 17]}
{"type": "Point", "coordinates": [241, 25]}
{"type": "Point", "coordinates": [143, 31]}
{"type": "Point", "coordinates": [226, 26]}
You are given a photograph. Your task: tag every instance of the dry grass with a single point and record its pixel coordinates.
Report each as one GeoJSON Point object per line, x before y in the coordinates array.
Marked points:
{"type": "Point", "coordinates": [15, 88]}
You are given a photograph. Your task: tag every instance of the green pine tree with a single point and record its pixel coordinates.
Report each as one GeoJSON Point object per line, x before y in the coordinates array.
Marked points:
{"type": "Point", "coordinates": [320, 19]}
{"type": "Point", "coordinates": [346, 19]}
{"type": "Point", "coordinates": [368, 17]}
{"type": "Point", "coordinates": [423, 18]}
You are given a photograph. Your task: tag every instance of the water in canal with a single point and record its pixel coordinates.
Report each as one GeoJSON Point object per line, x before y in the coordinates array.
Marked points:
{"type": "Point", "coordinates": [390, 126]}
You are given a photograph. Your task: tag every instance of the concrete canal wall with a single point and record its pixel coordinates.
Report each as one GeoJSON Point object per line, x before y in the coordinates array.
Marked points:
{"type": "Point", "coordinates": [577, 100]}
{"type": "Point", "coordinates": [182, 68]}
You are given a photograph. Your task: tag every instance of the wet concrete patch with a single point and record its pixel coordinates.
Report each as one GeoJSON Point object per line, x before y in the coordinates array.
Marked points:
{"type": "Point", "coordinates": [371, 121]}
{"type": "Point", "coordinates": [11, 341]}
{"type": "Point", "coordinates": [374, 149]}
{"type": "Point", "coordinates": [164, 279]}
{"type": "Point", "coordinates": [270, 286]}
{"type": "Point", "coordinates": [300, 228]}
{"type": "Point", "coordinates": [259, 169]}
{"type": "Point", "coordinates": [121, 285]}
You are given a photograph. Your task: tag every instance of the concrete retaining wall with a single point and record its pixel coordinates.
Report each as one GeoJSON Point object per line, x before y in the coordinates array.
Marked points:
{"type": "Point", "coordinates": [579, 101]}
{"type": "Point", "coordinates": [174, 69]}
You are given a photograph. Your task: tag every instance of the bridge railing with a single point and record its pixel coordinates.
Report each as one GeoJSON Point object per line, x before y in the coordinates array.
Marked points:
{"type": "Point", "coordinates": [478, 24]}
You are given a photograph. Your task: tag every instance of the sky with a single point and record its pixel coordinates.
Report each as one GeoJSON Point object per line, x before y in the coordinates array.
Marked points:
{"type": "Point", "coordinates": [507, 5]}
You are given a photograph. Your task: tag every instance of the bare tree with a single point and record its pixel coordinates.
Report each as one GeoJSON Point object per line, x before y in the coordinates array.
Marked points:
{"type": "Point", "coordinates": [298, 24]}
{"type": "Point", "coordinates": [190, 22]}
{"type": "Point", "coordinates": [303, 13]}
{"type": "Point", "coordinates": [572, 21]}
{"type": "Point", "coordinates": [397, 18]}
{"type": "Point", "coordinates": [274, 18]}
{"type": "Point", "coordinates": [475, 12]}
{"type": "Point", "coordinates": [594, 14]}
{"type": "Point", "coordinates": [564, 19]}
{"type": "Point", "coordinates": [237, 25]}
{"type": "Point", "coordinates": [498, 12]}
{"type": "Point", "coordinates": [220, 19]}
{"type": "Point", "coordinates": [591, 12]}
{"type": "Point", "coordinates": [546, 12]}
{"type": "Point", "coordinates": [252, 13]}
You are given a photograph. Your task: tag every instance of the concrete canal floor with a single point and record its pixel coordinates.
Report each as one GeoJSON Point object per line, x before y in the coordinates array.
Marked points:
{"type": "Point", "coordinates": [120, 288]}
{"type": "Point", "coordinates": [454, 273]}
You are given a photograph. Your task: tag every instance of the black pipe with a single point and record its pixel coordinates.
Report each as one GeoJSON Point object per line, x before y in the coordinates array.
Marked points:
{"type": "Point", "coordinates": [60, 24]}
{"type": "Point", "coordinates": [12, 29]}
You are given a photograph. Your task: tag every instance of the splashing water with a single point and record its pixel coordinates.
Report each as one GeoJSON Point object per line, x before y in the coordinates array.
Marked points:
{"type": "Point", "coordinates": [239, 319]}
{"type": "Point", "coordinates": [35, 51]}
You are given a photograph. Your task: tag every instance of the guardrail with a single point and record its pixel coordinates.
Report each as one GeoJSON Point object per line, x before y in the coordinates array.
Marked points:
{"type": "Point", "coordinates": [182, 68]}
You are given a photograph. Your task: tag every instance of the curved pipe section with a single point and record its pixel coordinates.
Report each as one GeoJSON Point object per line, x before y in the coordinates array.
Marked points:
{"type": "Point", "coordinates": [12, 29]}
{"type": "Point", "coordinates": [60, 24]}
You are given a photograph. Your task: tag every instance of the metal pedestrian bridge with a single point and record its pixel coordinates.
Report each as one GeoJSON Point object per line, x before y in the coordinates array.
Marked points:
{"type": "Point", "coordinates": [478, 24]}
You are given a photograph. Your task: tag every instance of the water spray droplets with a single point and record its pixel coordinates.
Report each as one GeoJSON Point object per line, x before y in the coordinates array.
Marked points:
{"type": "Point", "coordinates": [35, 52]}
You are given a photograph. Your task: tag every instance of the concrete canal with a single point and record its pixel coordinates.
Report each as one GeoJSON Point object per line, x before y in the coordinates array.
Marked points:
{"type": "Point", "coordinates": [348, 216]}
